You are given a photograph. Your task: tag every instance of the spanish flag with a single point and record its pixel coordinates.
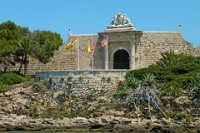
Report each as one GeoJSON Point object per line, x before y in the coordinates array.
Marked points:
{"type": "Point", "coordinates": [90, 47]}
{"type": "Point", "coordinates": [72, 43]}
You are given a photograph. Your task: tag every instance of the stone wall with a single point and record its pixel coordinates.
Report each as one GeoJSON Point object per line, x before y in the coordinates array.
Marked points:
{"type": "Point", "coordinates": [151, 44]}
{"type": "Point", "coordinates": [81, 83]}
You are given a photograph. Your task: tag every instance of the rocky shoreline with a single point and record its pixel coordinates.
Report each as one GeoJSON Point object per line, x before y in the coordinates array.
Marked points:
{"type": "Point", "coordinates": [103, 123]}
{"type": "Point", "coordinates": [35, 108]}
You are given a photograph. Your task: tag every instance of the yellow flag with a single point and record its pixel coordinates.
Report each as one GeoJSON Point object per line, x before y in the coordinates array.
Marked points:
{"type": "Point", "coordinates": [90, 47]}
{"type": "Point", "coordinates": [72, 43]}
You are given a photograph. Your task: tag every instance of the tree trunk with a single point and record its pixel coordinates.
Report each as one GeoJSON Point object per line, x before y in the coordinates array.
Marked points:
{"type": "Point", "coordinates": [26, 61]}
{"type": "Point", "coordinates": [20, 67]}
{"type": "Point", "coordinates": [5, 69]}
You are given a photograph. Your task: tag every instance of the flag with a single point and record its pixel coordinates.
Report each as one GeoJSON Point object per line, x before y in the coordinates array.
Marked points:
{"type": "Point", "coordinates": [72, 42]}
{"type": "Point", "coordinates": [90, 47]}
{"type": "Point", "coordinates": [104, 42]}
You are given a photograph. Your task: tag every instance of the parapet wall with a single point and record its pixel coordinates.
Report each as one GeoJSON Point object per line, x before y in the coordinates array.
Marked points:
{"type": "Point", "coordinates": [42, 75]}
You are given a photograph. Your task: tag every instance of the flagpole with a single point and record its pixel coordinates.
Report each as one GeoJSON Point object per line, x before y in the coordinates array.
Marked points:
{"type": "Point", "coordinates": [93, 56]}
{"type": "Point", "coordinates": [92, 60]}
{"type": "Point", "coordinates": [78, 56]}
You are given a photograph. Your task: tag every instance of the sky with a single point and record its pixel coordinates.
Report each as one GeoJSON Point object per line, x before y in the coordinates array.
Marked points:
{"type": "Point", "coordinates": [93, 16]}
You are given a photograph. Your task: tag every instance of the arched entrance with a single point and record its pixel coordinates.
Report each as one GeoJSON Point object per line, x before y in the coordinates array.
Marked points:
{"type": "Point", "coordinates": [121, 60]}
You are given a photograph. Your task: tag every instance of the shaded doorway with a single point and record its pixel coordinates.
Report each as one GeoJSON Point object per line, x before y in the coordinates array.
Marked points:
{"type": "Point", "coordinates": [121, 60]}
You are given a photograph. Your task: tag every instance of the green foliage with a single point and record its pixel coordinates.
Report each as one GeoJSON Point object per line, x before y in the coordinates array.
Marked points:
{"type": "Point", "coordinates": [169, 59]}
{"type": "Point", "coordinates": [55, 113]}
{"type": "Point", "coordinates": [149, 79]}
{"type": "Point", "coordinates": [39, 87]}
{"type": "Point", "coordinates": [11, 78]}
{"type": "Point", "coordinates": [173, 73]}
{"type": "Point", "coordinates": [3, 88]}
{"type": "Point", "coordinates": [10, 35]}
{"type": "Point", "coordinates": [118, 106]}
{"type": "Point", "coordinates": [17, 43]}
{"type": "Point", "coordinates": [45, 43]}
{"type": "Point", "coordinates": [70, 78]}
{"type": "Point", "coordinates": [193, 86]}
{"type": "Point", "coordinates": [131, 81]}
{"type": "Point", "coordinates": [60, 112]}
{"type": "Point", "coordinates": [122, 89]}
{"type": "Point", "coordinates": [179, 116]}
{"type": "Point", "coordinates": [91, 95]}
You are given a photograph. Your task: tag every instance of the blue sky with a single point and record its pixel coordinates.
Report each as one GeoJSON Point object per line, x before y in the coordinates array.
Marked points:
{"type": "Point", "coordinates": [92, 16]}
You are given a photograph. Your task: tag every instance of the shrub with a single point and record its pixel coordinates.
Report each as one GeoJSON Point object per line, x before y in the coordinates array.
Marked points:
{"type": "Point", "coordinates": [81, 78]}
{"type": "Point", "coordinates": [55, 112]}
{"type": "Point", "coordinates": [149, 79]}
{"type": "Point", "coordinates": [69, 78]}
{"type": "Point", "coordinates": [2, 87]}
{"type": "Point", "coordinates": [11, 78]}
{"type": "Point", "coordinates": [179, 116]}
{"type": "Point", "coordinates": [131, 81]}
{"type": "Point", "coordinates": [193, 86]}
{"type": "Point", "coordinates": [173, 73]}
{"type": "Point", "coordinates": [109, 79]}
{"type": "Point", "coordinates": [180, 69]}
{"type": "Point", "coordinates": [39, 87]}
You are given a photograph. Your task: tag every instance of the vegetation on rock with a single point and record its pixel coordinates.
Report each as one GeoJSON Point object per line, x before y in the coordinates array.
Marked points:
{"type": "Point", "coordinates": [173, 74]}
{"type": "Point", "coordinates": [9, 78]}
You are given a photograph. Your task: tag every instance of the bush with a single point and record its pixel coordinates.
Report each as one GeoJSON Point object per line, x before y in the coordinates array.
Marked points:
{"type": "Point", "coordinates": [173, 73]}
{"type": "Point", "coordinates": [39, 87]}
{"type": "Point", "coordinates": [11, 78]}
{"type": "Point", "coordinates": [180, 116]}
{"type": "Point", "coordinates": [2, 87]}
{"type": "Point", "coordinates": [193, 86]}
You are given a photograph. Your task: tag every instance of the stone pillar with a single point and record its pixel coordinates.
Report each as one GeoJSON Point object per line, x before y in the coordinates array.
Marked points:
{"type": "Point", "coordinates": [132, 56]}
{"type": "Point", "coordinates": [106, 58]}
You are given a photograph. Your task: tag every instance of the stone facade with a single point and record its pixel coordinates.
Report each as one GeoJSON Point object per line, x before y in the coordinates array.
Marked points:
{"type": "Point", "coordinates": [143, 48]}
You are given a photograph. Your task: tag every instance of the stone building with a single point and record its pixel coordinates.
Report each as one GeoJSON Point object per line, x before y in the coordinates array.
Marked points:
{"type": "Point", "coordinates": [128, 48]}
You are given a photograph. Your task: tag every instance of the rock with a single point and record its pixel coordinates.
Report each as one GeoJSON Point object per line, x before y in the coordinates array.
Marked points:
{"type": "Point", "coordinates": [105, 119]}
{"type": "Point", "coordinates": [48, 121]}
{"type": "Point", "coordinates": [1, 95]}
{"type": "Point", "coordinates": [97, 114]}
{"type": "Point", "coordinates": [114, 121]}
{"type": "Point", "coordinates": [122, 128]}
{"type": "Point", "coordinates": [81, 120]}
{"type": "Point", "coordinates": [157, 129]}
{"type": "Point", "coordinates": [182, 100]}
{"type": "Point", "coordinates": [165, 121]}
{"type": "Point", "coordinates": [103, 99]}
{"type": "Point", "coordinates": [8, 94]}
{"type": "Point", "coordinates": [115, 113]}
{"type": "Point", "coordinates": [125, 121]}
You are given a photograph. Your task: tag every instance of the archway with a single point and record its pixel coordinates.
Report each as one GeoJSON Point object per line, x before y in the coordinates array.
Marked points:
{"type": "Point", "coordinates": [121, 60]}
